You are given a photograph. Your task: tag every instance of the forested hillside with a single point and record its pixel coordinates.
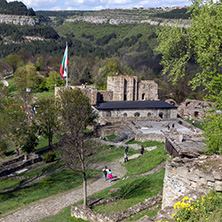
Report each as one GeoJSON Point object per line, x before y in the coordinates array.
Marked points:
{"type": "Point", "coordinates": [95, 50]}
{"type": "Point", "coordinates": [15, 8]}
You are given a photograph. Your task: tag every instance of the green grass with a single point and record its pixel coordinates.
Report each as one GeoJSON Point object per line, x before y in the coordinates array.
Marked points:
{"type": "Point", "coordinates": [63, 216]}
{"type": "Point", "coordinates": [55, 183]}
{"type": "Point", "coordinates": [146, 163]}
{"type": "Point", "coordinates": [111, 137]}
{"type": "Point", "coordinates": [12, 86]}
{"type": "Point", "coordinates": [113, 153]}
{"type": "Point", "coordinates": [44, 142]}
{"type": "Point", "coordinates": [197, 124]}
{"type": "Point", "coordinates": [135, 190]}
{"type": "Point", "coordinates": [148, 212]}
{"type": "Point", "coordinates": [44, 94]}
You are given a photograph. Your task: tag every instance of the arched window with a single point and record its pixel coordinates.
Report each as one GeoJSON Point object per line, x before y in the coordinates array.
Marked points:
{"type": "Point", "coordinates": [125, 114]}
{"type": "Point", "coordinates": [149, 114]}
{"type": "Point", "coordinates": [136, 114]}
{"type": "Point", "coordinates": [108, 114]}
{"type": "Point", "coordinates": [143, 96]}
{"type": "Point", "coordinates": [161, 115]}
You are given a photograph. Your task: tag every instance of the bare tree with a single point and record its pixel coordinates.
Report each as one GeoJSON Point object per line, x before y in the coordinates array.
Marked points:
{"type": "Point", "coordinates": [75, 147]}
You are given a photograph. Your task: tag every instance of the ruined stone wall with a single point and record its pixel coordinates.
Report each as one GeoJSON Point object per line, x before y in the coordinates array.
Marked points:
{"type": "Point", "coordinates": [194, 109]}
{"type": "Point", "coordinates": [104, 95]}
{"type": "Point", "coordinates": [147, 90]}
{"type": "Point", "coordinates": [191, 177]}
{"type": "Point", "coordinates": [89, 91]}
{"type": "Point", "coordinates": [151, 136]}
{"type": "Point", "coordinates": [123, 87]}
{"type": "Point", "coordinates": [89, 215]}
{"type": "Point", "coordinates": [18, 20]}
{"type": "Point", "coordinates": [19, 163]}
{"type": "Point", "coordinates": [148, 113]}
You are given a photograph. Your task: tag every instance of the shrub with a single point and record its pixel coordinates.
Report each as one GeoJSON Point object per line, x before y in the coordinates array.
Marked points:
{"type": "Point", "coordinates": [208, 208]}
{"type": "Point", "coordinates": [50, 157]}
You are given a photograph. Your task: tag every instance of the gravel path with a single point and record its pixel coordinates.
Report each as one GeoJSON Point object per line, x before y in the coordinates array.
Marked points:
{"type": "Point", "coordinates": [52, 205]}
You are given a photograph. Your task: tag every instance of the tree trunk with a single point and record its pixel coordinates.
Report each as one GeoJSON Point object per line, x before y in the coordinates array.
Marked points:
{"type": "Point", "coordinates": [84, 190]}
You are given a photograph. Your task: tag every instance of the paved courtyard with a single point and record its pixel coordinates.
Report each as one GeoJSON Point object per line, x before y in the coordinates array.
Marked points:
{"type": "Point", "coordinates": [147, 127]}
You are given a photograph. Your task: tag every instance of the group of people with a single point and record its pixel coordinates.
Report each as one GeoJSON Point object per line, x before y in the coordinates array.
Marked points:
{"type": "Point", "coordinates": [107, 173]}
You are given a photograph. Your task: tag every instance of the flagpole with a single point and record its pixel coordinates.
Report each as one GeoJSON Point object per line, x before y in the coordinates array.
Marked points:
{"type": "Point", "coordinates": [67, 83]}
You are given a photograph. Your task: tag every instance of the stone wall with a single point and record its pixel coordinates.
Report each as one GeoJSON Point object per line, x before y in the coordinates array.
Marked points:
{"type": "Point", "coordinates": [19, 163]}
{"type": "Point", "coordinates": [151, 136]}
{"type": "Point", "coordinates": [104, 95]}
{"type": "Point", "coordinates": [18, 20]}
{"type": "Point", "coordinates": [124, 88]}
{"type": "Point", "coordinates": [147, 90]}
{"type": "Point", "coordinates": [191, 177]}
{"type": "Point", "coordinates": [146, 113]}
{"type": "Point", "coordinates": [94, 216]}
{"type": "Point", "coordinates": [194, 109]}
{"type": "Point", "coordinates": [89, 91]}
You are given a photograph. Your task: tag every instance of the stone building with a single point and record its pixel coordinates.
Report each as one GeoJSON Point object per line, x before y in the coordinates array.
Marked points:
{"type": "Point", "coordinates": [128, 88]}
{"type": "Point", "coordinates": [127, 97]}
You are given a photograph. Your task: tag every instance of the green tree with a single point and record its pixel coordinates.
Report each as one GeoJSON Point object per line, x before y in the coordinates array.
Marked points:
{"type": "Point", "coordinates": [14, 61]}
{"type": "Point", "coordinates": [202, 43]}
{"type": "Point", "coordinates": [26, 81]}
{"type": "Point", "coordinates": [111, 67]}
{"type": "Point", "coordinates": [53, 80]}
{"type": "Point", "coordinates": [47, 118]}
{"type": "Point", "coordinates": [75, 147]}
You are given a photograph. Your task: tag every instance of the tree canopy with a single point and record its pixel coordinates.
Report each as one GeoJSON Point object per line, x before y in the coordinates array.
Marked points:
{"type": "Point", "coordinates": [201, 43]}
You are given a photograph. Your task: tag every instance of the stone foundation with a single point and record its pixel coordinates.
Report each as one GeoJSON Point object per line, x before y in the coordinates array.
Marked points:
{"type": "Point", "coordinates": [94, 216]}
{"type": "Point", "coordinates": [18, 163]}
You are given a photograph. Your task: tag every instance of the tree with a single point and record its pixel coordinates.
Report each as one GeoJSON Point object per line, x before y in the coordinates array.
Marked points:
{"type": "Point", "coordinates": [47, 118]}
{"type": "Point", "coordinates": [200, 43]}
{"type": "Point", "coordinates": [14, 61]}
{"type": "Point", "coordinates": [75, 147]}
{"type": "Point", "coordinates": [53, 80]}
{"type": "Point", "coordinates": [26, 80]}
{"type": "Point", "coordinates": [111, 67]}
{"type": "Point", "coordinates": [19, 126]}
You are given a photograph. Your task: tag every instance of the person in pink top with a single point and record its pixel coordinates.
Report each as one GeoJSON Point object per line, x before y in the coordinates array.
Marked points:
{"type": "Point", "coordinates": [110, 176]}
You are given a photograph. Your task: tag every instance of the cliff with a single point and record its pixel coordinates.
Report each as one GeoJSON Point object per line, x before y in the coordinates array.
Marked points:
{"type": "Point", "coordinates": [19, 20]}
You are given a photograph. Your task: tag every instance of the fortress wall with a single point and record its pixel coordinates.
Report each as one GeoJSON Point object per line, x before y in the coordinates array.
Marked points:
{"type": "Point", "coordinates": [191, 177]}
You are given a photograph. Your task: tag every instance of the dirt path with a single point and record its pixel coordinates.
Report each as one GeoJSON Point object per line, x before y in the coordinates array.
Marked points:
{"type": "Point", "coordinates": [52, 205]}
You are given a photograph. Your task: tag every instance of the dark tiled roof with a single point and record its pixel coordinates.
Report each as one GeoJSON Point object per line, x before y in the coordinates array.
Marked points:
{"type": "Point", "coordinates": [147, 104]}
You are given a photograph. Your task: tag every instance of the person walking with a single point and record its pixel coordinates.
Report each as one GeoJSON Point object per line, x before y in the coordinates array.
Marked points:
{"type": "Point", "coordinates": [126, 149]}
{"type": "Point", "coordinates": [105, 171]}
{"type": "Point", "coordinates": [142, 150]}
{"type": "Point", "coordinates": [110, 175]}
{"type": "Point", "coordinates": [125, 157]}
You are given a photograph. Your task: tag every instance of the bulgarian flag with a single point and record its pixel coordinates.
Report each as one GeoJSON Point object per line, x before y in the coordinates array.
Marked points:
{"type": "Point", "coordinates": [64, 65]}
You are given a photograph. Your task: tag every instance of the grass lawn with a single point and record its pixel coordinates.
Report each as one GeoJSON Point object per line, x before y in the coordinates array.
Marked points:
{"type": "Point", "coordinates": [112, 153]}
{"type": "Point", "coordinates": [135, 190]}
{"type": "Point", "coordinates": [55, 183]}
{"type": "Point", "coordinates": [44, 142]}
{"type": "Point", "coordinates": [44, 94]}
{"type": "Point", "coordinates": [149, 160]}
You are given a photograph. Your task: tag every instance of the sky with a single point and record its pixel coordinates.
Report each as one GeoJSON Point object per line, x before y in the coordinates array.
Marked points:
{"type": "Point", "coordinates": [99, 4]}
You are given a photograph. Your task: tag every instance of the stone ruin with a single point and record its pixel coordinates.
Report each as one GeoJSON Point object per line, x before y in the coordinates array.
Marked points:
{"type": "Point", "coordinates": [120, 88]}
{"type": "Point", "coordinates": [194, 109]}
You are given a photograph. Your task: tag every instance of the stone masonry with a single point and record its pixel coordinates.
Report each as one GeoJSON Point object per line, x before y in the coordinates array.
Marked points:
{"type": "Point", "coordinates": [120, 88]}
{"type": "Point", "coordinates": [191, 177]}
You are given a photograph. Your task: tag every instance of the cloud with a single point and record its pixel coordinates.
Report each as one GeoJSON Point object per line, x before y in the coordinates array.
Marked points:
{"type": "Point", "coordinates": [98, 4]}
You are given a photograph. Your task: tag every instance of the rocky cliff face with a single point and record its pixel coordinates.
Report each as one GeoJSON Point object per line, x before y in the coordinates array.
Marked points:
{"type": "Point", "coordinates": [117, 21]}
{"type": "Point", "coordinates": [18, 20]}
